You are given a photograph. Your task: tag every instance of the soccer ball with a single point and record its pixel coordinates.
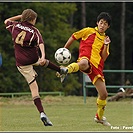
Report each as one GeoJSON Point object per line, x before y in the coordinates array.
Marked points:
{"type": "Point", "coordinates": [62, 56]}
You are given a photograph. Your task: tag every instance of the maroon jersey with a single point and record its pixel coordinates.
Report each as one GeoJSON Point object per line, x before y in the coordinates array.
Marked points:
{"type": "Point", "coordinates": [26, 39]}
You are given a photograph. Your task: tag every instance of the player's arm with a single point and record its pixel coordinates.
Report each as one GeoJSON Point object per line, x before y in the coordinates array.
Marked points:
{"type": "Point", "coordinates": [76, 36]}
{"type": "Point", "coordinates": [42, 58]}
{"type": "Point", "coordinates": [13, 18]}
{"type": "Point", "coordinates": [69, 42]}
{"type": "Point", "coordinates": [106, 47]}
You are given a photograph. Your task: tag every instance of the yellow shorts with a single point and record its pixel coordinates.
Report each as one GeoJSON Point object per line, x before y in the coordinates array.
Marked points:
{"type": "Point", "coordinates": [93, 72]}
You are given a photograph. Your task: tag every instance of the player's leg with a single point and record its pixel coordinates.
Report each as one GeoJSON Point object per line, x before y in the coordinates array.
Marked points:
{"type": "Point", "coordinates": [82, 65]}
{"type": "Point", "coordinates": [101, 101]}
{"type": "Point", "coordinates": [37, 101]}
{"type": "Point", "coordinates": [29, 73]}
{"type": "Point", "coordinates": [73, 67]}
{"type": "Point", "coordinates": [52, 66]}
{"type": "Point", "coordinates": [35, 96]}
{"type": "Point", "coordinates": [60, 71]}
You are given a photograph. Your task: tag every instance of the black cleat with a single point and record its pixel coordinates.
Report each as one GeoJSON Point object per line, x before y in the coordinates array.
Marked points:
{"type": "Point", "coordinates": [63, 73]}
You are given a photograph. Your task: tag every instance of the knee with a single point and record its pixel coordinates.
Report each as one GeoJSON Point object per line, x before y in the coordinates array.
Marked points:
{"type": "Point", "coordinates": [104, 96]}
{"type": "Point", "coordinates": [83, 65]}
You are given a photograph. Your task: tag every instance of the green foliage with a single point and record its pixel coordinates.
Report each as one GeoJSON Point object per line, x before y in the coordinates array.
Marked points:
{"type": "Point", "coordinates": [56, 22]}
{"type": "Point", "coordinates": [53, 23]}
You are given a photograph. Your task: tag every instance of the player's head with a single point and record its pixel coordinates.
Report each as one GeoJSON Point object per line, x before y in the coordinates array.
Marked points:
{"type": "Point", "coordinates": [105, 16]}
{"type": "Point", "coordinates": [28, 15]}
{"type": "Point", "coordinates": [103, 22]}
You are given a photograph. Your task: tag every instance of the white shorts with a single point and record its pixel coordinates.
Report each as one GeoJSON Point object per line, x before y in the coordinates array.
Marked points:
{"type": "Point", "coordinates": [28, 72]}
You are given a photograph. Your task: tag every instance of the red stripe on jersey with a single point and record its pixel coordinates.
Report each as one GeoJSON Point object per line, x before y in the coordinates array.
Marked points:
{"type": "Point", "coordinates": [86, 46]}
{"type": "Point", "coordinates": [74, 37]}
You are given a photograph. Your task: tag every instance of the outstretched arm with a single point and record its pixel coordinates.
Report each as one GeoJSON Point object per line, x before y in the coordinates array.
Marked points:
{"type": "Point", "coordinates": [13, 18]}
{"type": "Point", "coordinates": [69, 42]}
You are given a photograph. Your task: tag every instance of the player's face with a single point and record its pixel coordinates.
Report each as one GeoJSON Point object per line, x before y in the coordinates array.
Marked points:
{"type": "Point", "coordinates": [34, 21]}
{"type": "Point", "coordinates": [102, 26]}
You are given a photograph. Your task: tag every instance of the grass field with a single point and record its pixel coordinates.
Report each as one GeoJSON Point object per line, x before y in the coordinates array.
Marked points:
{"type": "Point", "coordinates": [66, 113]}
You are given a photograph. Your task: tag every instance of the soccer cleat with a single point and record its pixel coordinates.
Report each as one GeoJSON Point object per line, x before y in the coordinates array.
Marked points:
{"type": "Point", "coordinates": [45, 120]}
{"type": "Point", "coordinates": [63, 73]}
{"type": "Point", "coordinates": [102, 121]}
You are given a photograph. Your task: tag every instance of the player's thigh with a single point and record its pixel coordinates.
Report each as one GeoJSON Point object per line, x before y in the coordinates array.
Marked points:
{"type": "Point", "coordinates": [28, 72]}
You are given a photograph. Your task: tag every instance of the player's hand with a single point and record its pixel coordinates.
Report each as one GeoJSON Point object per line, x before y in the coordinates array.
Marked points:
{"type": "Point", "coordinates": [42, 61]}
{"type": "Point", "coordinates": [107, 40]}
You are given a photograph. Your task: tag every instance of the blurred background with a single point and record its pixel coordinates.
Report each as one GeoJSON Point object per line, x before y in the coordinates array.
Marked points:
{"type": "Point", "coordinates": [56, 22]}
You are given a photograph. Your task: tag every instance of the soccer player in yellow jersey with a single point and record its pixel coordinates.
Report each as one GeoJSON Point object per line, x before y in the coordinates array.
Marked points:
{"type": "Point", "coordinates": [93, 51]}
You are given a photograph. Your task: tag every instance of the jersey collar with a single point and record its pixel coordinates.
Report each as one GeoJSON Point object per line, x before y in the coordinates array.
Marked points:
{"type": "Point", "coordinates": [102, 34]}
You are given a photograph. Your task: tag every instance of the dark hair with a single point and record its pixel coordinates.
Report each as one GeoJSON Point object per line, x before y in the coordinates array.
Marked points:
{"type": "Point", "coordinates": [28, 15]}
{"type": "Point", "coordinates": [106, 16]}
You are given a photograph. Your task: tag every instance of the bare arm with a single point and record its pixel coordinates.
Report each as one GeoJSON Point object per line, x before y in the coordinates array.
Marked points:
{"type": "Point", "coordinates": [42, 49]}
{"type": "Point", "coordinates": [106, 45]}
{"type": "Point", "coordinates": [13, 18]}
{"type": "Point", "coordinates": [69, 42]}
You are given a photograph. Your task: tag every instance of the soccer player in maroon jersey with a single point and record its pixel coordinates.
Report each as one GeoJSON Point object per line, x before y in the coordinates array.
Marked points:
{"type": "Point", "coordinates": [27, 42]}
{"type": "Point", "coordinates": [93, 51]}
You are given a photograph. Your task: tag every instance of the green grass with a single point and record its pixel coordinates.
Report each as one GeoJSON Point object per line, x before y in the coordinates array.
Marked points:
{"type": "Point", "coordinates": [66, 113]}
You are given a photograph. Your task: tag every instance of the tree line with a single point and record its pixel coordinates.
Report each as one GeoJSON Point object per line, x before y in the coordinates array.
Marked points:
{"type": "Point", "coordinates": [56, 22]}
